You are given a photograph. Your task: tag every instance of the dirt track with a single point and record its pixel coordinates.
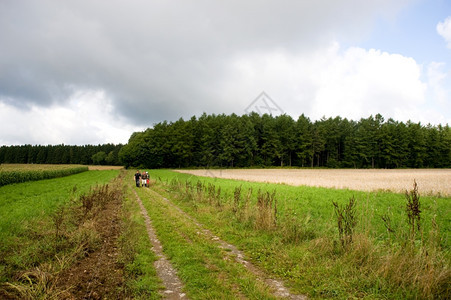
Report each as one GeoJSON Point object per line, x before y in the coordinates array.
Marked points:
{"type": "Point", "coordinates": [430, 181]}
{"type": "Point", "coordinates": [165, 270]}
{"type": "Point", "coordinates": [276, 286]}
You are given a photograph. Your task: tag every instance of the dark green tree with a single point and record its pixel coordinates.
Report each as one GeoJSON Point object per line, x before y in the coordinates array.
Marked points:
{"type": "Point", "coordinates": [99, 158]}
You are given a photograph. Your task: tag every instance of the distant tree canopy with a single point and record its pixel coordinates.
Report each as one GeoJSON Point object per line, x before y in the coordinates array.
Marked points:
{"type": "Point", "coordinates": [260, 140]}
{"type": "Point", "coordinates": [265, 140]}
{"type": "Point", "coordinates": [106, 154]}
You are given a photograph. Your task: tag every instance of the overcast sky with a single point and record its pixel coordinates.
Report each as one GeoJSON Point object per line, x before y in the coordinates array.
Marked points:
{"type": "Point", "coordinates": [92, 72]}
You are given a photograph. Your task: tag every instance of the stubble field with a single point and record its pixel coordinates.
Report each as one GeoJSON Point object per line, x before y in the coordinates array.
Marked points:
{"type": "Point", "coordinates": [430, 181]}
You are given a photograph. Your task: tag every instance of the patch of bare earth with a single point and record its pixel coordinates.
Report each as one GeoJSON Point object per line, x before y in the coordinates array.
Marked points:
{"type": "Point", "coordinates": [430, 181]}
{"type": "Point", "coordinates": [98, 275]}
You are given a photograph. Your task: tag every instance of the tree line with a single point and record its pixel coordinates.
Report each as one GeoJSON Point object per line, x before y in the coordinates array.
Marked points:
{"type": "Point", "coordinates": [107, 154]}
{"type": "Point", "coordinates": [260, 140]}
{"type": "Point", "coordinates": [266, 140]}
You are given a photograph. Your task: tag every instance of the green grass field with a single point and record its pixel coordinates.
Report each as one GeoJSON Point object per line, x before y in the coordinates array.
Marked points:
{"type": "Point", "coordinates": [45, 230]}
{"type": "Point", "coordinates": [289, 233]}
{"type": "Point", "coordinates": [315, 204]}
{"type": "Point", "coordinates": [304, 247]}
{"type": "Point", "coordinates": [26, 210]}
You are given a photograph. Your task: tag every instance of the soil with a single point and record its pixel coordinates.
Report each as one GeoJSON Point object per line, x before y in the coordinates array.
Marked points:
{"type": "Point", "coordinates": [98, 275]}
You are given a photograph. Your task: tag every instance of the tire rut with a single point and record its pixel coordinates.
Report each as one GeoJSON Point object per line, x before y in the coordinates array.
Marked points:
{"type": "Point", "coordinates": [276, 286]}
{"type": "Point", "coordinates": [165, 271]}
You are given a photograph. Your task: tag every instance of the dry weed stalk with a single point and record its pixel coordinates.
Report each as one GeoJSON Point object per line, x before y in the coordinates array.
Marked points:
{"type": "Point", "coordinates": [211, 193]}
{"type": "Point", "coordinates": [266, 210]}
{"type": "Point", "coordinates": [58, 221]}
{"type": "Point", "coordinates": [413, 210]}
{"type": "Point", "coordinates": [244, 210]}
{"type": "Point", "coordinates": [236, 199]}
{"type": "Point", "coordinates": [199, 190]}
{"type": "Point", "coordinates": [346, 220]}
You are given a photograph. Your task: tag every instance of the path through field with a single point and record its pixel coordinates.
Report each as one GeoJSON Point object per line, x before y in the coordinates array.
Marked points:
{"type": "Point", "coordinates": [430, 181]}
{"type": "Point", "coordinates": [165, 270]}
{"type": "Point", "coordinates": [231, 254]}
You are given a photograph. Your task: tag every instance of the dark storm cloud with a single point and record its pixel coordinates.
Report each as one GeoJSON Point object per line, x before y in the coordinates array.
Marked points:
{"type": "Point", "coordinates": [156, 60]}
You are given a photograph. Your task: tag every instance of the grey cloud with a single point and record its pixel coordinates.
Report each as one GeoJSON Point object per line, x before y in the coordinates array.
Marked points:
{"type": "Point", "coordinates": [156, 59]}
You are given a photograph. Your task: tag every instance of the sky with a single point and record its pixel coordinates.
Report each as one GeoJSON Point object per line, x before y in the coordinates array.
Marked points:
{"type": "Point", "coordinates": [79, 72]}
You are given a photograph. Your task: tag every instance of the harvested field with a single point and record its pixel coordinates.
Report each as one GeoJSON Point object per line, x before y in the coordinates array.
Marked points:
{"type": "Point", "coordinates": [105, 168]}
{"type": "Point", "coordinates": [430, 181]}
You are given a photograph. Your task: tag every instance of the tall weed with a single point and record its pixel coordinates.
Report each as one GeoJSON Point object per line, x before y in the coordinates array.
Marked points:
{"type": "Point", "coordinates": [266, 210]}
{"type": "Point", "coordinates": [413, 211]}
{"type": "Point", "coordinates": [346, 221]}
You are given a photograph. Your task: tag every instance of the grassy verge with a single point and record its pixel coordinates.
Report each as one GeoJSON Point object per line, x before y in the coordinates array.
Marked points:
{"type": "Point", "coordinates": [29, 216]}
{"type": "Point", "coordinates": [295, 235]}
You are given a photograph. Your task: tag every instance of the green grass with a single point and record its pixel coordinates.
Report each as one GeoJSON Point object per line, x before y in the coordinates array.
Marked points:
{"type": "Point", "coordinates": [199, 262]}
{"type": "Point", "coordinates": [315, 204]}
{"type": "Point", "coordinates": [136, 253]}
{"type": "Point", "coordinates": [28, 242]}
{"type": "Point", "coordinates": [26, 212]}
{"type": "Point", "coordinates": [303, 248]}
{"type": "Point", "coordinates": [378, 264]}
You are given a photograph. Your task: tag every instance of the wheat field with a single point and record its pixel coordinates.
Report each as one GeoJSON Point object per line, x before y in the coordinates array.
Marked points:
{"type": "Point", "coordinates": [430, 181]}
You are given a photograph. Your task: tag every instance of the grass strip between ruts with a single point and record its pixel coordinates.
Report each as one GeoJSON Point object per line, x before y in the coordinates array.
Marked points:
{"type": "Point", "coordinates": [199, 261]}
{"type": "Point", "coordinates": [136, 252]}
